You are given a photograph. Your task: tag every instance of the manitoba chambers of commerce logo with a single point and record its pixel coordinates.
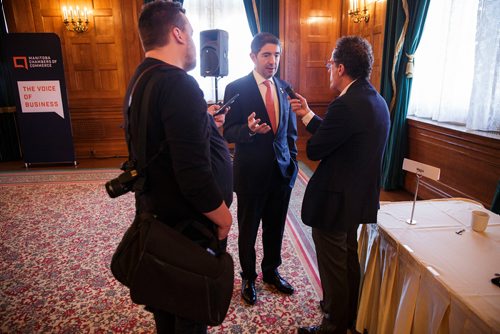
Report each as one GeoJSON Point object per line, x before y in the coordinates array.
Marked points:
{"type": "Point", "coordinates": [33, 62]}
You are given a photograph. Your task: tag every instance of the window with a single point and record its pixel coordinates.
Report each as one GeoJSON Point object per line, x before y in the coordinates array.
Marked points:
{"type": "Point", "coordinates": [457, 65]}
{"type": "Point", "coordinates": [228, 15]}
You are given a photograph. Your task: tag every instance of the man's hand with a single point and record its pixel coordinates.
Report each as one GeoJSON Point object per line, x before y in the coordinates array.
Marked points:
{"type": "Point", "coordinates": [222, 218]}
{"type": "Point", "coordinates": [255, 126]}
{"type": "Point", "coordinates": [299, 106]}
{"type": "Point", "coordinates": [219, 119]}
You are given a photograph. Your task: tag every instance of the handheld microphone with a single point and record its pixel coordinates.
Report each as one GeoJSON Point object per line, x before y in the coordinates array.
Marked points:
{"type": "Point", "coordinates": [289, 90]}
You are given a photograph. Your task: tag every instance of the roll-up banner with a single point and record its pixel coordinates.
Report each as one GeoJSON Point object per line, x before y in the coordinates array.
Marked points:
{"type": "Point", "coordinates": [42, 105]}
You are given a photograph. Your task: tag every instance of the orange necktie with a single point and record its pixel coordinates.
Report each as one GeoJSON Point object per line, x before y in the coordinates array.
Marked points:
{"type": "Point", "coordinates": [270, 105]}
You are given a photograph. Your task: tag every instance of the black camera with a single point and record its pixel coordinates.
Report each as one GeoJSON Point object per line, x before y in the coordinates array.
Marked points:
{"type": "Point", "coordinates": [124, 182]}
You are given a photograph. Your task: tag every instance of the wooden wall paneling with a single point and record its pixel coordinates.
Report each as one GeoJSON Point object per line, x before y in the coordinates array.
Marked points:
{"type": "Point", "coordinates": [100, 123]}
{"type": "Point", "coordinates": [96, 73]}
{"type": "Point", "coordinates": [373, 31]}
{"type": "Point", "coordinates": [320, 26]}
{"type": "Point", "coordinates": [19, 9]}
{"type": "Point", "coordinates": [378, 9]}
{"type": "Point", "coordinates": [308, 30]}
{"type": "Point", "coordinates": [132, 48]}
{"type": "Point", "coordinates": [470, 164]}
{"type": "Point", "coordinates": [290, 41]}
{"type": "Point", "coordinates": [290, 22]}
{"type": "Point", "coordinates": [96, 68]}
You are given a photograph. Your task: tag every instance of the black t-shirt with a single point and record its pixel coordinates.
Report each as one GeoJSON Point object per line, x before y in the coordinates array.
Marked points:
{"type": "Point", "coordinates": [193, 172]}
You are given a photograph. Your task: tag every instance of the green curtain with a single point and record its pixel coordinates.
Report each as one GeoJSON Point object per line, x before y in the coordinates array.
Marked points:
{"type": "Point", "coordinates": [495, 204]}
{"type": "Point", "coordinates": [267, 18]}
{"type": "Point", "coordinates": [404, 25]}
{"type": "Point", "coordinates": [252, 21]}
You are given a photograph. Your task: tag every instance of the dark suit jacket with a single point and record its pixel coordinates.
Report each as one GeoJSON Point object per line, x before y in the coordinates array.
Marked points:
{"type": "Point", "coordinates": [255, 155]}
{"type": "Point", "coordinates": [350, 142]}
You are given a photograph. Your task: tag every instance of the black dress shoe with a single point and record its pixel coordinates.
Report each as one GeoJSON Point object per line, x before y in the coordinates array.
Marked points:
{"type": "Point", "coordinates": [322, 329]}
{"type": "Point", "coordinates": [307, 330]}
{"type": "Point", "coordinates": [248, 292]}
{"type": "Point", "coordinates": [322, 306]}
{"type": "Point", "coordinates": [279, 283]}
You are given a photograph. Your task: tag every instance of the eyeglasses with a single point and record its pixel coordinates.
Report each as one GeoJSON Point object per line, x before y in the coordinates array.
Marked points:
{"type": "Point", "coordinates": [329, 64]}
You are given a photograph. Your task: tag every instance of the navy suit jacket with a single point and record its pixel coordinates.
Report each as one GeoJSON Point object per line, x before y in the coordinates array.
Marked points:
{"type": "Point", "coordinates": [345, 188]}
{"type": "Point", "coordinates": [255, 155]}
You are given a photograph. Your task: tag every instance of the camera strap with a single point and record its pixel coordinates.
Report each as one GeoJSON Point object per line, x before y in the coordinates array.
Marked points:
{"type": "Point", "coordinates": [142, 164]}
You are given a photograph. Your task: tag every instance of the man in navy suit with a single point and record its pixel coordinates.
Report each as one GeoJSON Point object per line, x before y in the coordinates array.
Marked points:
{"type": "Point", "coordinates": [345, 188]}
{"type": "Point", "coordinates": [264, 129]}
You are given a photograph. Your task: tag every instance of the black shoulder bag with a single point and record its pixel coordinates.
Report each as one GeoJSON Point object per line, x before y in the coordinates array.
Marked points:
{"type": "Point", "coordinates": [168, 271]}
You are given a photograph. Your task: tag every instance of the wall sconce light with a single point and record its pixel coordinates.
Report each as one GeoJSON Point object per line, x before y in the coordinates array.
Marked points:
{"type": "Point", "coordinates": [75, 19]}
{"type": "Point", "coordinates": [357, 13]}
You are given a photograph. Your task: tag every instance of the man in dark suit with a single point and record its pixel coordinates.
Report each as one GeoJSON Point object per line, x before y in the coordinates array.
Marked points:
{"type": "Point", "coordinates": [264, 129]}
{"type": "Point", "coordinates": [344, 190]}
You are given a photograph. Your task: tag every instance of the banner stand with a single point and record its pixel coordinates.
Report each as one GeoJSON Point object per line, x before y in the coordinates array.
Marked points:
{"type": "Point", "coordinates": [42, 114]}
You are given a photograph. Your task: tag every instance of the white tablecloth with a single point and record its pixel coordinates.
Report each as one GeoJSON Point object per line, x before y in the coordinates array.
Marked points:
{"type": "Point", "coordinates": [426, 278]}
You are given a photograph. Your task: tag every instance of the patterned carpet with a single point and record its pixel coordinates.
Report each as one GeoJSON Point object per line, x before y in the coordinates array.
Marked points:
{"type": "Point", "coordinates": [58, 231]}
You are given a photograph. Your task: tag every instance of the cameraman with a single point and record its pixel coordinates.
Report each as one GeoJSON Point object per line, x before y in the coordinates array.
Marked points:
{"type": "Point", "coordinates": [191, 178]}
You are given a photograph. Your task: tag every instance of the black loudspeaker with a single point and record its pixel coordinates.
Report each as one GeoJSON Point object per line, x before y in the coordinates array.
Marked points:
{"type": "Point", "coordinates": [213, 53]}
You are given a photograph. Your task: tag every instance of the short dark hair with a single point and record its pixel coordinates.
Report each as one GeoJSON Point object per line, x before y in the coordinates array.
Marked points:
{"type": "Point", "coordinates": [157, 19]}
{"type": "Point", "coordinates": [262, 39]}
{"type": "Point", "coordinates": [355, 53]}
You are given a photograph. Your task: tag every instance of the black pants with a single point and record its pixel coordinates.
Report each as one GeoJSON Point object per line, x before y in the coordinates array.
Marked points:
{"type": "Point", "coordinates": [339, 271]}
{"type": "Point", "coordinates": [271, 207]}
{"type": "Point", "coordinates": [167, 323]}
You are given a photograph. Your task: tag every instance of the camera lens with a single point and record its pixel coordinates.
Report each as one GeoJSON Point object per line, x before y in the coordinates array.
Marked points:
{"type": "Point", "coordinates": [114, 188]}
{"type": "Point", "coordinates": [122, 184]}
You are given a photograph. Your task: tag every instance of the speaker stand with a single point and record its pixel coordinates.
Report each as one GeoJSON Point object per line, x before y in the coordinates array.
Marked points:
{"type": "Point", "coordinates": [216, 90]}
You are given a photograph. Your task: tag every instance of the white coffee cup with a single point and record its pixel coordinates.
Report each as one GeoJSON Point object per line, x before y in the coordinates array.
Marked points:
{"type": "Point", "coordinates": [479, 220]}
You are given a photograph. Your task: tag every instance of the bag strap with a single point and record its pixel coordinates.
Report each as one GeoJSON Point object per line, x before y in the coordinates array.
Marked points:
{"type": "Point", "coordinates": [132, 91]}
{"type": "Point", "coordinates": [181, 226]}
{"type": "Point", "coordinates": [142, 163]}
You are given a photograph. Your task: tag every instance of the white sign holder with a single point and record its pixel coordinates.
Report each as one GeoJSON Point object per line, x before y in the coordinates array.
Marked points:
{"type": "Point", "coordinates": [420, 170]}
